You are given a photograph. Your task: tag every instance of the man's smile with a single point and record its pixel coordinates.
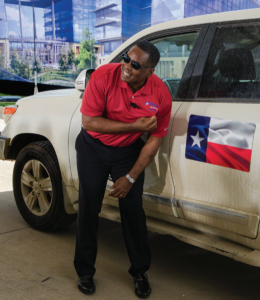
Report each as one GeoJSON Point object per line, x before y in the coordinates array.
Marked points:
{"type": "Point", "coordinates": [126, 74]}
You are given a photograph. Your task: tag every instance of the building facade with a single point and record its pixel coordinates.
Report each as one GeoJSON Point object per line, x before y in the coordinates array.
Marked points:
{"type": "Point", "coordinates": [202, 7]}
{"type": "Point", "coordinates": [67, 19]}
{"type": "Point", "coordinates": [4, 42]}
{"type": "Point", "coordinates": [118, 20]}
{"type": "Point", "coordinates": [110, 22]}
{"type": "Point", "coordinates": [64, 23]}
{"type": "Point", "coordinates": [3, 21]}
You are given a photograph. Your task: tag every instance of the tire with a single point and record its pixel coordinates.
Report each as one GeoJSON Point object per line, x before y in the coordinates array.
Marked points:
{"type": "Point", "coordinates": [37, 186]}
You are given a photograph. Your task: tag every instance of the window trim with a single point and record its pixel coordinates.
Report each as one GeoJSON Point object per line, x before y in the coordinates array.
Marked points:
{"type": "Point", "coordinates": [201, 62]}
{"type": "Point", "coordinates": [185, 80]}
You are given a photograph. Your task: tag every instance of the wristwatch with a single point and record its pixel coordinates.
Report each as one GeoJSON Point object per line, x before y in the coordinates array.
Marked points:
{"type": "Point", "coordinates": [131, 180]}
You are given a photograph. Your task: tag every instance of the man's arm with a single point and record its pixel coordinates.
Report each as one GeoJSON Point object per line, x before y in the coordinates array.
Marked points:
{"type": "Point", "coordinates": [104, 125]}
{"type": "Point", "coordinates": [122, 186]}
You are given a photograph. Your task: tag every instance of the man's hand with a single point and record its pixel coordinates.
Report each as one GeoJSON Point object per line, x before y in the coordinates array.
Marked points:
{"type": "Point", "coordinates": [145, 124]}
{"type": "Point", "coordinates": [120, 188]}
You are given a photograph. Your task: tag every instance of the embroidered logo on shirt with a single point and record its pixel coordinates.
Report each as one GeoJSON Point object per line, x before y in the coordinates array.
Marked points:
{"type": "Point", "coordinates": [153, 106]}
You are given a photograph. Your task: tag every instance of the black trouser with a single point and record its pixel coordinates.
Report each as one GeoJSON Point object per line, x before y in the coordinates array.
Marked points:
{"type": "Point", "coordinates": [95, 161]}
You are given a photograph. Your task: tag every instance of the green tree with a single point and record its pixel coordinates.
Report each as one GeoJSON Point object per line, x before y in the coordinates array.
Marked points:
{"type": "Point", "coordinates": [63, 60]}
{"type": "Point", "coordinates": [86, 52]}
{"type": "Point", "coordinates": [71, 57]}
{"type": "Point", "coordinates": [25, 69]}
{"type": "Point", "coordinates": [2, 61]}
{"type": "Point", "coordinates": [15, 62]}
{"type": "Point", "coordinates": [38, 66]}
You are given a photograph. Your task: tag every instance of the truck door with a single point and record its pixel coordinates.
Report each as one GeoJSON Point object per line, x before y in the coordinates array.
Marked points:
{"type": "Point", "coordinates": [215, 140]}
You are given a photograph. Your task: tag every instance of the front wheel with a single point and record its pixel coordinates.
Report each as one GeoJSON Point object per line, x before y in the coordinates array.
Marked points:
{"type": "Point", "coordinates": [37, 186]}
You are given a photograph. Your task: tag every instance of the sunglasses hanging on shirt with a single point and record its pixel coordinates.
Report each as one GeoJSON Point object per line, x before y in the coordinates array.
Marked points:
{"type": "Point", "coordinates": [135, 65]}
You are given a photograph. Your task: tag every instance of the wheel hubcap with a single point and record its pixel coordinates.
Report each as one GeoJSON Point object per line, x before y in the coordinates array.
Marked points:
{"type": "Point", "coordinates": [36, 187]}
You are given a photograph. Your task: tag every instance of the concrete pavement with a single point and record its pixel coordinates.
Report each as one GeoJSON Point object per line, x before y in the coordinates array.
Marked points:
{"type": "Point", "coordinates": [39, 265]}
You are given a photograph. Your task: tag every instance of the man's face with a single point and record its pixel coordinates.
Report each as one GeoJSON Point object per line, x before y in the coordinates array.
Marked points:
{"type": "Point", "coordinates": [129, 74]}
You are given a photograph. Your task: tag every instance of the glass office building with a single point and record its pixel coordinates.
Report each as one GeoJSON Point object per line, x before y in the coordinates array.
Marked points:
{"type": "Point", "coordinates": [70, 18]}
{"type": "Point", "coordinates": [168, 10]}
{"type": "Point", "coordinates": [203, 7]}
{"type": "Point", "coordinates": [65, 19]}
{"type": "Point", "coordinates": [111, 22]}
{"type": "Point", "coordinates": [118, 20]}
{"type": "Point", "coordinates": [59, 26]}
{"type": "Point", "coordinates": [3, 22]}
{"type": "Point", "coordinates": [4, 43]}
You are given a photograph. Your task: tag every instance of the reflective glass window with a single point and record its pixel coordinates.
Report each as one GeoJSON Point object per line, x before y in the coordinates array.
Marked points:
{"type": "Point", "coordinates": [174, 54]}
{"type": "Point", "coordinates": [233, 65]}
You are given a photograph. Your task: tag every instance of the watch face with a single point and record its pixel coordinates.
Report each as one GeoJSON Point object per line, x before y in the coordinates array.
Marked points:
{"type": "Point", "coordinates": [130, 178]}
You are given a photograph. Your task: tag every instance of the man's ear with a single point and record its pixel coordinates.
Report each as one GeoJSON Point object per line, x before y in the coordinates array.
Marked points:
{"type": "Point", "coordinates": [151, 70]}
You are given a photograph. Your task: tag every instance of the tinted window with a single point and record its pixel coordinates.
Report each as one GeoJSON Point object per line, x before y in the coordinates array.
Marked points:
{"type": "Point", "coordinates": [175, 51]}
{"type": "Point", "coordinates": [233, 66]}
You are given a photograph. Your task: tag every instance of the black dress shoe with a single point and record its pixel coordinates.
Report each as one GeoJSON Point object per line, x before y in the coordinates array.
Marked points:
{"type": "Point", "coordinates": [86, 285]}
{"type": "Point", "coordinates": [142, 285]}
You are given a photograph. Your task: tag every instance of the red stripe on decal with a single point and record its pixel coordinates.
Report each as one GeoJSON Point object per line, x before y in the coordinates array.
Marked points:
{"type": "Point", "coordinates": [228, 156]}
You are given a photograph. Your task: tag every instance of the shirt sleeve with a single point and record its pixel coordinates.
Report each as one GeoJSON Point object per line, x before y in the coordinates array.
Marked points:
{"type": "Point", "coordinates": [163, 116]}
{"type": "Point", "coordinates": [94, 100]}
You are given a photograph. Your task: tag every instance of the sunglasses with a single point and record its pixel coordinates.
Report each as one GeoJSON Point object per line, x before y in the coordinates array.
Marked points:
{"type": "Point", "coordinates": [135, 65]}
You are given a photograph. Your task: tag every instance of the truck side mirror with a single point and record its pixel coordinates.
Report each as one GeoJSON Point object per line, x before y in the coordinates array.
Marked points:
{"type": "Point", "coordinates": [82, 80]}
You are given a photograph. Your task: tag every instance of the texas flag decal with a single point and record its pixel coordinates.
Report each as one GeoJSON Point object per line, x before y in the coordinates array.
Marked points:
{"type": "Point", "coordinates": [220, 142]}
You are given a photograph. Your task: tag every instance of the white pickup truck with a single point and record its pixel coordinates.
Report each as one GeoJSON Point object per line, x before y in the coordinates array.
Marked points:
{"type": "Point", "coordinates": [203, 186]}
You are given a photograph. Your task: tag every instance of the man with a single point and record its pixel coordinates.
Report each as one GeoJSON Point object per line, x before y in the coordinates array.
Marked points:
{"type": "Point", "coordinates": [121, 101]}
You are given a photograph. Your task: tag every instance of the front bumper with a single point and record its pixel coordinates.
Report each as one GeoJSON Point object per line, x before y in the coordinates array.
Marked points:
{"type": "Point", "coordinates": [4, 144]}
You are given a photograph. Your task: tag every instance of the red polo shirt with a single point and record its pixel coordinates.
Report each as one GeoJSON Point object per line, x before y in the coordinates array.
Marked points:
{"type": "Point", "coordinates": [108, 96]}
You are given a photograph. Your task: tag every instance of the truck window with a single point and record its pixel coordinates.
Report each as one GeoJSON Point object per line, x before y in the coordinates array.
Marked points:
{"type": "Point", "coordinates": [233, 66]}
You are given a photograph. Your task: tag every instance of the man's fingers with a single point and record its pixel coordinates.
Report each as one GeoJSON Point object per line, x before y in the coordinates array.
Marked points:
{"type": "Point", "coordinates": [117, 193]}
{"type": "Point", "coordinates": [152, 123]}
{"type": "Point", "coordinates": [113, 191]}
{"type": "Point", "coordinates": [148, 119]}
{"type": "Point", "coordinates": [152, 120]}
{"type": "Point", "coordinates": [112, 194]}
{"type": "Point", "coordinates": [111, 188]}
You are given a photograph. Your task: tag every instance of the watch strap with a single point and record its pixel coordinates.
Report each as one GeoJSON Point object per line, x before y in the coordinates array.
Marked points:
{"type": "Point", "coordinates": [131, 180]}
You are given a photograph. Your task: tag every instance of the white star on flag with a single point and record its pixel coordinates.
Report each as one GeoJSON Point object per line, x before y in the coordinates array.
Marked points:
{"type": "Point", "coordinates": [196, 139]}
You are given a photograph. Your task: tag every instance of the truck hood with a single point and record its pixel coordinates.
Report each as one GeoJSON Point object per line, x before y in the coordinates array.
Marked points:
{"type": "Point", "coordinates": [48, 94]}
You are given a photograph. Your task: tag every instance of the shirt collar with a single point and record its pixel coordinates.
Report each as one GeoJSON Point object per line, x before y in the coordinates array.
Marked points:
{"type": "Point", "coordinates": [145, 90]}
